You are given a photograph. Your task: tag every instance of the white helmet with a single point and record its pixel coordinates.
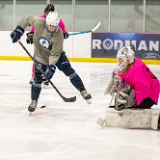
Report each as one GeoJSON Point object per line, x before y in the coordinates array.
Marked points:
{"type": "Point", "coordinates": [52, 19]}
{"type": "Point", "coordinates": [126, 54]}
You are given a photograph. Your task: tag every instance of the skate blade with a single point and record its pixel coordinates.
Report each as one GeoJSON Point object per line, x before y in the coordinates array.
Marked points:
{"type": "Point", "coordinates": [45, 86]}
{"type": "Point", "coordinates": [89, 101]}
{"type": "Point", "coordinates": [43, 106]}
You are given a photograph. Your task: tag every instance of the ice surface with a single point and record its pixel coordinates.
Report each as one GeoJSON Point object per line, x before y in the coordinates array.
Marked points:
{"type": "Point", "coordinates": [66, 131]}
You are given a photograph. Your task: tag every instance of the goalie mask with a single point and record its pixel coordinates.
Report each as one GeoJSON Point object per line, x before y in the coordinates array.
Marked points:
{"type": "Point", "coordinates": [125, 57]}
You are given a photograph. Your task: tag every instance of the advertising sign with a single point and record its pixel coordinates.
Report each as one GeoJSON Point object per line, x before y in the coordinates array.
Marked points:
{"type": "Point", "coordinates": [147, 46]}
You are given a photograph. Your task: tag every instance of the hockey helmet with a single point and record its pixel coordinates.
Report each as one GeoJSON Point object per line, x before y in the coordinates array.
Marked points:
{"type": "Point", "coordinates": [126, 54]}
{"type": "Point", "coordinates": [49, 7]}
{"type": "Point", "coordinates": [52, 19]}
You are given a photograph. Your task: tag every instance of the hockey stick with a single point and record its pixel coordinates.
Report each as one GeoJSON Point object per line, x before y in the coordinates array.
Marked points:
{"type": "Point", "coordinates": [95, 28]}
{"type": "Point", "coordinates": [71, 99]}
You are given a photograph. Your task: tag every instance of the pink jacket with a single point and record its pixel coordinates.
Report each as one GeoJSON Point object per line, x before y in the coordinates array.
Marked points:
{"type": "Point", "coordinates": [142, 81]}
{"type": "Point", "coordinates": [61, 24]}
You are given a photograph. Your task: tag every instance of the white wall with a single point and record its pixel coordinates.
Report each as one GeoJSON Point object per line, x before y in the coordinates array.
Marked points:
{"type": "Point", "coordinates": [75, 46]}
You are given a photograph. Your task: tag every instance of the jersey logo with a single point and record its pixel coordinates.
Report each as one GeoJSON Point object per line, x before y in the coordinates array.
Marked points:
{"type": "Point", "coordinates": [44, 42]}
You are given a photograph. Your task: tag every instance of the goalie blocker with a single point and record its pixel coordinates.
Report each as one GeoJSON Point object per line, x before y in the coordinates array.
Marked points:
{"type": "Point", "coordinates": [130, 118]}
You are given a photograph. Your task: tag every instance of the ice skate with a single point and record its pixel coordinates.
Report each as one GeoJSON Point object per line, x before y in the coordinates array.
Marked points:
{"type": "Point", "coordinates": [45, 84]}
{"type": "Point", "coordinates": [158, 127]}
{"type": "Point", "coordinates": [32, 106]}
{"type": "Point", "coordinates": [86, 96]}
{"type": "Point", "coordinates": [31, 81]}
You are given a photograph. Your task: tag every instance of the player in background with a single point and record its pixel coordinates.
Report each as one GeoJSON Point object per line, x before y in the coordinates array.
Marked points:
{"type": "Point", "coordinates": [48, 52]}
{"type": "Point", "coordinates": [29, 38]}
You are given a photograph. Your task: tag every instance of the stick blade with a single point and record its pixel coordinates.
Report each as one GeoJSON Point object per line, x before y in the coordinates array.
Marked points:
{"type": "Point", "coordinates": [96, 27]}
{"type": "Point", "coordinates": [71, 99]}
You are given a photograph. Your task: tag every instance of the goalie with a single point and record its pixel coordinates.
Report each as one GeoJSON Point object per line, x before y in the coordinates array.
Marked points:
{"type": "Point", "coordinates": [136, 87]}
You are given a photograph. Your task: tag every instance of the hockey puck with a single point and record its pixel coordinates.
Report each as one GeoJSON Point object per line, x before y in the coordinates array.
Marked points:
{"type": "Point", "coordinates": [43, 106]}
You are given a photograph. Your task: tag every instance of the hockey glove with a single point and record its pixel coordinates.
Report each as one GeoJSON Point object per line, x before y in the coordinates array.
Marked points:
{"type": "Point", "coordinates": [114, 85]}
{"type": "Point", "coordinates": [66, 35]}
{"type": "Point", "coordinates": [125, 98]}
{"type": "Point", "coordinates": [44, 79]}
{"type": "Point", "coordinates": [107, 91]}
{"type": "Point", "coordinates": [29, 38]}
{"type": "Point", "coordinates": [50, 71]}
{"type": "Point", "coordinates": [121, 101]}
{"type": "Point", "coordinates": [17, 33]}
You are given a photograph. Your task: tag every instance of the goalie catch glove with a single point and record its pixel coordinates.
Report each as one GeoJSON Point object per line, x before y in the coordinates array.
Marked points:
{"type": "Point", "coordinates": [114, 85]}
{"type": "Point", "coordinates": [29, 38]}
{"type": "Point", "coordinates": [16, 34]}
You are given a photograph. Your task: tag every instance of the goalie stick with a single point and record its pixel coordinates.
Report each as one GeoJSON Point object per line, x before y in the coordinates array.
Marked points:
{"type": "Point", "coordinates": [71, 99]}
{"type": "Point", "coordinates": [95, 28]}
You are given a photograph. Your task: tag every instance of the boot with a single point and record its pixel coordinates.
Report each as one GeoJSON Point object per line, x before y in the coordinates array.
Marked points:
{"type": "Point", "coordinates": [45, 84]}
{"type": "Point", "coordinates": [32, 106]}
{"type": "Point", "coordinates": [86, 96]}
{"type": "Point", "coordinates": [31, 81]}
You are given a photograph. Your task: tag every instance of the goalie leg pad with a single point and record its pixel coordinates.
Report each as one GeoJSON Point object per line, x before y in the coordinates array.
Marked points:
{"type": "Point", "coordinates": [132, 118]}
{"type": "Point", "coordinates": [100, 121]}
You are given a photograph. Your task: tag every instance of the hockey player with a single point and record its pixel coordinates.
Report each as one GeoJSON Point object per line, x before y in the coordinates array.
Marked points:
{"type": "Point", "coordinates": [138, 78]}
{"type": "Point", "coordinates": [48, 52]}
{"type": "Point", "coordinates": [136, 87]}
{"type": "Point", "coordinates": [29, 38]}
{"type": "Point", "coordinates": [143, 82]}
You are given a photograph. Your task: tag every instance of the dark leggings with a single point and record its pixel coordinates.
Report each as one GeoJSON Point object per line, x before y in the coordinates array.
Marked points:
{"type": "Point", "coordinates": [145, 104]}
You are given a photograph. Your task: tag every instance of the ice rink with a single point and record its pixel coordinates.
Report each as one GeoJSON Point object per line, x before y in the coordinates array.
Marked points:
{"type": "Point", "coordinates": [62, 130]}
